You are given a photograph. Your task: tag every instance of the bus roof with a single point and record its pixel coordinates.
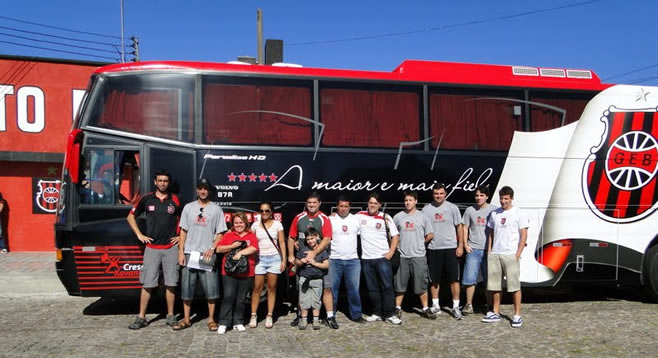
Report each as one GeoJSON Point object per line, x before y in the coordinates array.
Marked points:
{"type": "Point", "coordinates": [409, 70]}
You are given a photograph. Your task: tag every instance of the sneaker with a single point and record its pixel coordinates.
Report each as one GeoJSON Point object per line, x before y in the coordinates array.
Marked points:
{"type": "Point", "coordinates": [360, 320]}
{"type": "Point", "coordinates": [435, 309]}
{"type": "Point", "coordinates": [302, 323]}
{"type": "Point", "coordinates": [331, 322]}
{"type": "Point", "coordinates": [517, 321]}
{"type": "Point", "coordinates": [491, 317]}
{"type": "Point", "coordinates": [139, 323]}
{"type": "Point", "coordinates": [394, 320]}
{"type": "Point", "coordinates": [239, 328]}
{"type": "Point", "coordinates": [468, 309]}
{"type": "Point", "coordinates": [269, 321]}
{"type": "Point", "coordinates": [398, 312]}
{"type": "Point", "coordinates": [427, 313]}
{"type": "Point", "coordinates": [253, 322]}
{"type": "Point", "coordinates": [171, 320]}
{"type": "Point", "coordinates": [317, 324]}
{"type": "Point", "coordinates": [457, 313]}
{"type": "Point", "coordinates": [4, 251]}
{"type": "Point", "coordinates": [373, 318]}
{"type": "Point", "coordinates": [295, 322]}
{"type": "Point", "coordinates": [221, 330]}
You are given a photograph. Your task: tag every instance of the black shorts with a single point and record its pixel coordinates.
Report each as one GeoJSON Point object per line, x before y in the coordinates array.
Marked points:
{"type": "Point", "coordinates": [443, 263]}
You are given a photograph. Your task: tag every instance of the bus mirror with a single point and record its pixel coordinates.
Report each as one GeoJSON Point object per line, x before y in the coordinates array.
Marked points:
{"type": "Point", "coordinates": [72, 162]}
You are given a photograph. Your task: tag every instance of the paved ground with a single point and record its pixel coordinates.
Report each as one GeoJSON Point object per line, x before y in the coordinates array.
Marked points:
{"type": "Point", "coordinates": [40, 320]}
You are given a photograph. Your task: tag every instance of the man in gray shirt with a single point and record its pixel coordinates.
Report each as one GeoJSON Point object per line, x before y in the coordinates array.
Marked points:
{"type": "Point", "coordinates": [444, 249]}
{"type": "Point", "coordinates": [202, 224]}
{"type": "Point", "coordinates": [475, 232]}
{"type": "Point", "coordinates": [415, 231]}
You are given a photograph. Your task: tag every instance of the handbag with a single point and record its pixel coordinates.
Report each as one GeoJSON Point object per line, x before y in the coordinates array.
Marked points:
{"type": "Point", "coordinates": [395, 260]}
{"type": "Point", "coordinates": [239, 266]}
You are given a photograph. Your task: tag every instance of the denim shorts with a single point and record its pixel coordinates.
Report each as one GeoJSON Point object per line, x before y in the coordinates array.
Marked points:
{"type": "Point", "coordinates": [268, 264]}
{"type": "Point", "coordinates": [476, 262]}
{"type": "Point", "coordinates": [209, 281]}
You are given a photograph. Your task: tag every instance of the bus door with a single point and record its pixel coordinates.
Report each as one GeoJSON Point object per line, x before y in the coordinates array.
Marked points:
{"type": "Point", "coordinates": [180, 163]}
{"type": "Point", "coordinates": [584, 252]}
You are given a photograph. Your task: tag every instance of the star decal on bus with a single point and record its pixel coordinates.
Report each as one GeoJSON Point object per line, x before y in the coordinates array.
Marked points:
{"type": "Point", "coordinates": [262, 177]}
{"type": "Point", "coordinates": [242, 177]}
{"type": "Point", "coordinates": [231, 177]}
{"type": "Point", "coordinates": [252, 177]}
{"type": "Point", "coordinates": [273, 177]}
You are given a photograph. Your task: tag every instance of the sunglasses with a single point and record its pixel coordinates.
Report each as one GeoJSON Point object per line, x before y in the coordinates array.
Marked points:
{"type": "Point", "coordinates": [200, 213]}
{"type": "Point", "coordinates": [265, 211]}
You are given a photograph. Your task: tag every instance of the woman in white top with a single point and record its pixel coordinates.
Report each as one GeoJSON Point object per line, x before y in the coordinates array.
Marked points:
{"type": "Point", "coordinates": [270, 242]}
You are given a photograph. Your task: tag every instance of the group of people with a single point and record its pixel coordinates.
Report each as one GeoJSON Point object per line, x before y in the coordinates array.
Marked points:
{"type": "Point", "coordinates": [421, 247]}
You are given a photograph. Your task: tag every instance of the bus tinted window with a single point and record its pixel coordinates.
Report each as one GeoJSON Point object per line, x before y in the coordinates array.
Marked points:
{"type": "Point", "coordinates": [543, 118]}
{"type": "Point", "coordinates": [474, 121]}
{"type": "Point", "coordinates": [369, 118]}
{"type": "Point", "coordinates": [256, 114]}
{"type": "Point", "coordinates": [154, 105]}
{"type": "Point", "coordinates": [110, 177]}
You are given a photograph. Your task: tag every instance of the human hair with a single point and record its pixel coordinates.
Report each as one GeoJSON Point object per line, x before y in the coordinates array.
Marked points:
{"type": "Point", "coordinates": [506, 190]}
{"type": "Point", "coordinates": [311, 231]}
{"type": "Point", "coordinates": [314, 194]}
{"type": "Point", "coordinates": [344, 198]}
{"type": "Point", "coordinates": [161, 173]}
{"type": "Point", "coordinates": [266, 202]}
{"type": "Point", "coordinates": [483, 189]}
{"type": "Point", "coordinates": [243, 217]}
{"type": "Point", "coordinates": [411, 193]}
{"type": "Point", "coordinates": [375, 195]}
{"type": "Point", "coordinates": [439, 186]}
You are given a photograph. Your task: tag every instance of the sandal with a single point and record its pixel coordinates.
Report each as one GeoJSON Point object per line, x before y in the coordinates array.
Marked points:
{"type": "Point", "coordinates": [269, 321]}
{"type": "Point", "coordinates": [253, 322]}
{"type": "Point", "coordinates": [212, 326]}
{"type": "Point", "coordinates": [181, 325]}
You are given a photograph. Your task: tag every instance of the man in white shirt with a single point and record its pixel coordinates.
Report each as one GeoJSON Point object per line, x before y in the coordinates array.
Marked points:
{"type": "Point", "coordinates": [376, 255]}
{"type": "Point", "coordinates": [506, 242]}
{"type": "Point", "coordinates": [344, 260]}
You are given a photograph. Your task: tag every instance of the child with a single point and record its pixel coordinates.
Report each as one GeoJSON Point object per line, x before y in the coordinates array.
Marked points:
{"type": "Point", "coordinates": [310, 278]}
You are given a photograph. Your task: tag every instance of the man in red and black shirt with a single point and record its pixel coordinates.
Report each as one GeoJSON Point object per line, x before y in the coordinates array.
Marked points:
{"type": "Point", "coordinates": [313, 217]}
{"type": "Point", "coordinates": [162, 211]}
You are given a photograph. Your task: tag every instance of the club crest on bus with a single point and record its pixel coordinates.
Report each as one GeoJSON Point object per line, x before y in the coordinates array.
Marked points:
{"type": "Point", "coordinates": [48, 195]}
{"type": "Point", "coordinates": [619, 176]}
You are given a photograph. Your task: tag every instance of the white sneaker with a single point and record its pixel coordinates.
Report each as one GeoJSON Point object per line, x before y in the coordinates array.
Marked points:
{"type": "Point", "coordinates": [373, 318]}
{"type": "Point", "coordinates": [239, 328]}
{"type": "Point", "coordinates": [221, 330]}
{"type": "Point", "coordinates": [394, 320]}
{"type": "Point", "coordinates": [435, 309]}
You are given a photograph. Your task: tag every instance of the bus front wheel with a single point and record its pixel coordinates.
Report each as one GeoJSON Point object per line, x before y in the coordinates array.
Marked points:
{"type": "Point", "coordinates": [651, 272]}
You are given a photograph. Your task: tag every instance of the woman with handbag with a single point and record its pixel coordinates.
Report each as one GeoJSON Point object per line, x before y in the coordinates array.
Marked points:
{"type": "Point", "coordinates": [240, 248]}
{"type": "Point", "coordinates": [268, 263]}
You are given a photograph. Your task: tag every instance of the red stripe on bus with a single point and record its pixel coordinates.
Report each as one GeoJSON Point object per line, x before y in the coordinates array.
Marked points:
{"type": "Point", "coordinates": [622, 204]}
{"type": "Point", "coordinates": [135, 277]}
{"type": "Point", "coordinates": [91, 273]}
{"type": "Point", "coordinates": [107, 288]}
{"type": "Point", "coordinates": [104, 283]}
{"type": "Point", "coordinates": [617, 127]}
{"type": "Point", "coordinates": [638, 121]}
{"type": "Point", "coordinates": [92, 267]}
{"type": "Point", "coordinates": [647, 197]}
{"type": "Point", "coordinates": [590, 172]}
{"type": "Point", "coordinates": [602, 194]}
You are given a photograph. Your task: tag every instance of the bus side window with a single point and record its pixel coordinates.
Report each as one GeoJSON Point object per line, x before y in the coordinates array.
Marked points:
{"type": "Point", "coordinates": [110, 177]}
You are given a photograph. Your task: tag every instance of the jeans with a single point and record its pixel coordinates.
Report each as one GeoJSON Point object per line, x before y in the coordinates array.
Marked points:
{"type": "Point", "coordinates": [379, 280]}
{"type": "Point", "coordinates": [351, 271]}
{"type": "Point", "coordinates": [234, 299]}
{"type": "Point", "coordinates": [476, 262]}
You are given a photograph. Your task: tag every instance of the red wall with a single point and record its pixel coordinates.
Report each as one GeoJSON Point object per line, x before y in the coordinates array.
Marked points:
{"type": "Point", "coordinates": [39, 87]}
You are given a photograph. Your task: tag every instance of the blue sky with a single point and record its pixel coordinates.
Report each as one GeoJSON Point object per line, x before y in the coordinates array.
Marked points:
{"type": "Point", "coordinates": [610, 37]}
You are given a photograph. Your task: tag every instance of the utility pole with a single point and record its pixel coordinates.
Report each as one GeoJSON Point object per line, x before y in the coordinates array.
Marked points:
{"type": "Point", "coordinates": [135, 46]}
{"type": "Point", "coordinates": [259, 20]}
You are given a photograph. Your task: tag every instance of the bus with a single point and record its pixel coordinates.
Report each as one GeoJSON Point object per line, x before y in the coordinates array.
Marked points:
{"type": "Point", "coordinates": [580, 154]}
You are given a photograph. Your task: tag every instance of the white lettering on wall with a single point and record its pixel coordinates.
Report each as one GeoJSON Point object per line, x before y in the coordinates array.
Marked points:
{"type": "Point", "coordinates": [4, 90]}
{"type": "Point", "coordinates": [39, 122]}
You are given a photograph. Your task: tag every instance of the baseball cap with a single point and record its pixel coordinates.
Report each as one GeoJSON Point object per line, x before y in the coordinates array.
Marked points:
{"type": "Point", "coordinates": [203, 183]}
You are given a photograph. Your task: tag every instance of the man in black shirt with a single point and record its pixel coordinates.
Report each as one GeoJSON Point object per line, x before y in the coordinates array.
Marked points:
{"type": "Point", "coordinates": [162, 211]}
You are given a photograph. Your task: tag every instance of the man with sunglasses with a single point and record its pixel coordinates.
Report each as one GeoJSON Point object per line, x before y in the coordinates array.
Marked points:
{"type": "Point", "coordinates": [202, 226]}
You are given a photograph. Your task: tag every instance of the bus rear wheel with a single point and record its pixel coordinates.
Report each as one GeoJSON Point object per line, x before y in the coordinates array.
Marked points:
{"type": "Point", "coordinates": [651, 272]}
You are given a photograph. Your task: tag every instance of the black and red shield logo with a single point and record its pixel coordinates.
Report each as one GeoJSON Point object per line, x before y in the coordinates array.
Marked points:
{"type": "Point", "coordinates": [619, 176]}
{"type": "Point", "coordinates": [46, 195]}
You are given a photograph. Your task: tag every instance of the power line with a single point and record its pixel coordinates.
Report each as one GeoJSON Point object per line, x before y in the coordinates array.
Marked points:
{"type": "Point", "coordinates": [58, 43]}
{"type": "Point", "coordinates": [63, 51]}
{"type": "Point", "coordinates": [59, 28]}
{"type": "Point", "coordinates": [447, 27]}
{"type": "Point", "coordinates": [59, 37]}
{"type": "Point", "coordinates": [640, 80]}
{"type": "Point", "coordinates": [633, 71]}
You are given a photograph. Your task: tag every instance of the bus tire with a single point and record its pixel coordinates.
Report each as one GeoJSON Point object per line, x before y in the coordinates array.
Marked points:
{"type": "Point", "coordinates": [650, 272]}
